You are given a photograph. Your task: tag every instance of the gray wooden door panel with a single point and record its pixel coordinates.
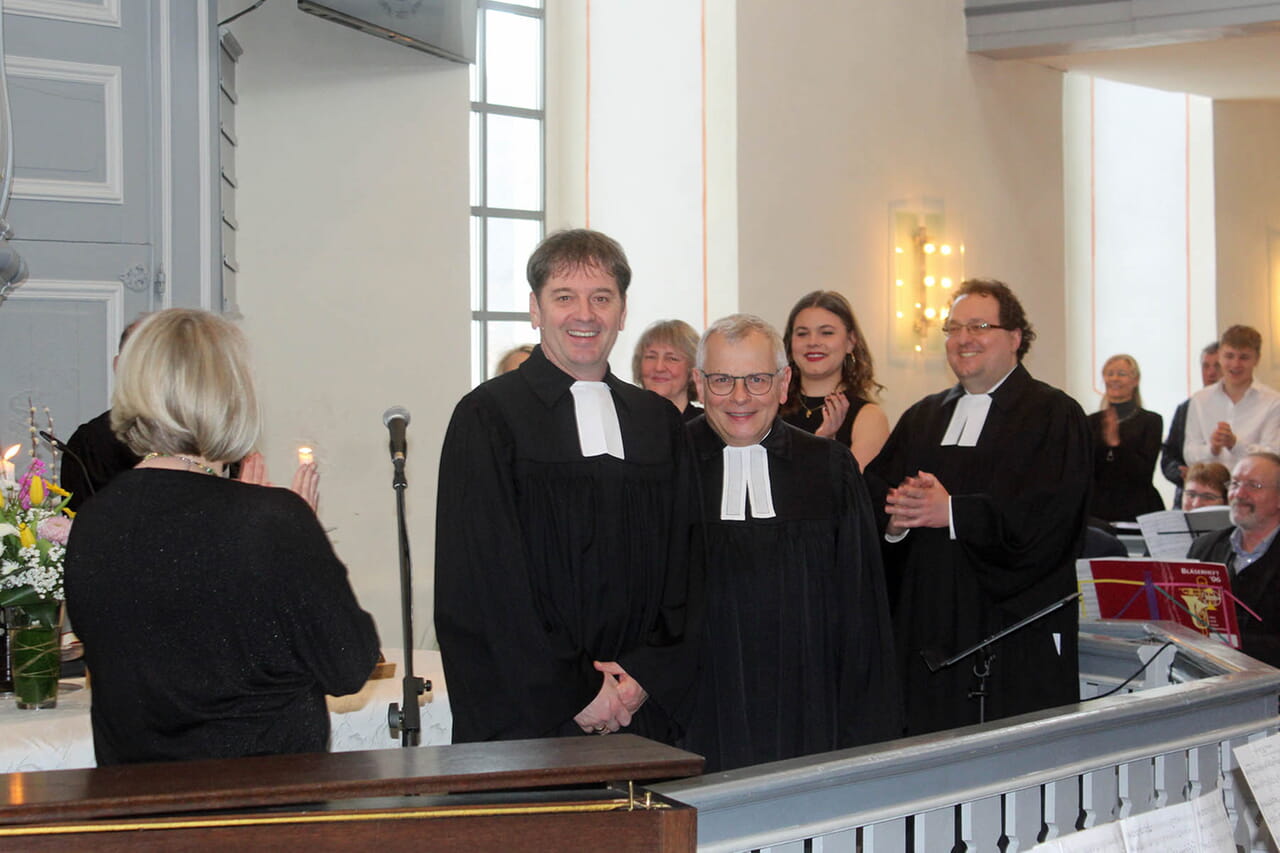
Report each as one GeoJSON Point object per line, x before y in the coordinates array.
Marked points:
{"type": "Point", "coordinates": [83, 138]}
{"type": "Point", "coordinates": [115, 165]}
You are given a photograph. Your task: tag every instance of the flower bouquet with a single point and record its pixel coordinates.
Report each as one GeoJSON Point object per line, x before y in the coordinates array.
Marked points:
{"type": "Point", "coordinates": [34, 524]}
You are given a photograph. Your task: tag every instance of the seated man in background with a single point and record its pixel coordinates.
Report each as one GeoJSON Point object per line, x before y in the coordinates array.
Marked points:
{"type": "Point", "coordinates": [95, 454]}
{"type": "Point", "coordinates": [1237, 412]}
{"type": "Point", "coordinates": [1249, 551]}
{"type": "Point", "coordinates": [1206, 486]}
{"type": "Point", "coordinates": [798, 643]}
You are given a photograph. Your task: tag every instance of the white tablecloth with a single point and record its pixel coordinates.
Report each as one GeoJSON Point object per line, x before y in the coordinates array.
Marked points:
{"type": "Point", "coordinates": [62, 738]}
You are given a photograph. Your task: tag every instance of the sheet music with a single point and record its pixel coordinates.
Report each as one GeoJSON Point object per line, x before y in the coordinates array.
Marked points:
{"type": "Point", "coordinates": [1260, 761]}
{"type": "Point", "coordinates": [1166, 533]}
{"type": "Point", "coordinates": [1200, 826]}
{"type": "Point", "coordinates": [1089, 609]}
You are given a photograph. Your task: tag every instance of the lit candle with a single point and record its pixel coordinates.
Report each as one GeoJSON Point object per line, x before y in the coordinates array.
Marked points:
{"type": "Point", "coordinates": [306, 456]}
{"type": "Point", "coordinates": [6, 467]}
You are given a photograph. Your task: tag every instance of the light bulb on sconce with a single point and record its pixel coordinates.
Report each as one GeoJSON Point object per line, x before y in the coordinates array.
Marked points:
{"type": "Point", "coordinates": [926, 262]}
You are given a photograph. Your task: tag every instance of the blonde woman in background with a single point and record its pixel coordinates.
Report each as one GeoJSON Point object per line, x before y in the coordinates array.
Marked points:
{"type": "Point", "coordinates": [1126, 445]}
{"type": "Point", "coordinates": [663, 364]}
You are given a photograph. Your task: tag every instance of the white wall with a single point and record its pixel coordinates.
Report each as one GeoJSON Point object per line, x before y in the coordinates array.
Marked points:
{"type": "Point", "coordinates": [846, 107]}
{"type": "Point", "coordinates": [1246, 139]}
{"type": "Point", "coordinates": [1140, 214]}
{"type": "Point", "coordinates": [353, 248]}
{"type": "Point", "coordinates": [641, 144]}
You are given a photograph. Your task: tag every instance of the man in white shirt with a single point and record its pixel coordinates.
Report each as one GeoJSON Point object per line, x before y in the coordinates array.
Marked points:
{"type": "Point", "coordinates": [1235, 414]}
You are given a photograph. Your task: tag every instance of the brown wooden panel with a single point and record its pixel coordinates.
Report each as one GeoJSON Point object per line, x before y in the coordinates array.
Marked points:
{"type": "Point", "coordinates": [286, 779]}
{"type": "Point", "coordinates": [566, 826]}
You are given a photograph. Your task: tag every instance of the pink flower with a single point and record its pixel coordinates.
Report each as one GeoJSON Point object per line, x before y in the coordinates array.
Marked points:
{"type": "Point", "coordinates": [35, 469]}
{"type": "Point", "coordinates": [55, 529]}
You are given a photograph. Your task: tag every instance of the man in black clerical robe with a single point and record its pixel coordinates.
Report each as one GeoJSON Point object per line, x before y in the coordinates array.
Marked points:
{"type": "Point", "coordinates": [563, 527]}
{"type": "Point", "coordinates": [1248, 548]}
{"type": "Point", "coordinates": [798, 647]}
{"type": "Point", "coordinates": [983, 489]}
{"type": "Point", "coordinates": [96, 455]}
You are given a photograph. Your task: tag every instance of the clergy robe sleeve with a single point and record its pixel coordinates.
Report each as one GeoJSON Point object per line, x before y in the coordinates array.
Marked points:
{"type": "Point", "coordinates": [665, 665]}
{"type": "Point", "coordinates": [511, 670]}
{"type": "Point", "coordinates": [1026, 528]}
{"type": "Point", "coordinates": [1195, 448]}
{"type": "Point", "coordinates": [870, 698]}
{"type": "Point", "coordinates": [1171, 460]}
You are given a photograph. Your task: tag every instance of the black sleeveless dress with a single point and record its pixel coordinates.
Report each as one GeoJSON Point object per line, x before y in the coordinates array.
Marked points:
{"type": "Point", "coordinates": [810, 423]}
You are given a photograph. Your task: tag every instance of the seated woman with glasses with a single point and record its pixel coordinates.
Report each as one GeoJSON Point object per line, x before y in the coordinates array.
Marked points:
{"type": "Point", "coordinates": [1206, 485]}
{"type": "Point", "coordinates": [214, 613]}
{"type": "Point", "coordinates": [833, 384]}
{"type": "Point", "coordinates": [1126, 445]}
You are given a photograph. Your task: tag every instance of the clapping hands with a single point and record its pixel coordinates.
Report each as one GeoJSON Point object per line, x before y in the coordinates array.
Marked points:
{"type": "Point", "coordinates": [306, 480]}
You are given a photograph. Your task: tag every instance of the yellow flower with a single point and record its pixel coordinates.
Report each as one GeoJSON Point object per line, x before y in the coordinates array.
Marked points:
{"type": "Point", "coordinates": [26, 536]}
{"type": "Point", "coordinates": [37, 490]}
{"type": "Point", "coordinates": [69, 512]}
{"type": "Point", "coordinates": [57, 490]}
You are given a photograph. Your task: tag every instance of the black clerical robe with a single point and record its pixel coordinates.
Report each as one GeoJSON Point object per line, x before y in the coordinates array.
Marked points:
{"type": "Point", "coordinates": [1258, 587]}
{"type": "Point", "coordinates": [798, 646]}
{"type": "Point", "coordinates": [96, 457]}
{"type": "Point", "coordinates": [1018, 503]}
{"type": "Point", "coordinates": [547, 561]}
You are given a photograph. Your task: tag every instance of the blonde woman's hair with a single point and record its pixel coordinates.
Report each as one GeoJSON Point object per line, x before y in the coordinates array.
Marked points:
{"type": "Point", "coordinates": [183, 386]}
{"type": "Point", "coordinates": [1137, 376]}
{"type": "Point", "coordinates": [676, 334]}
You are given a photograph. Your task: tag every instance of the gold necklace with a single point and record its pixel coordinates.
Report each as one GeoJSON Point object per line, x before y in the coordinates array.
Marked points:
{"type": "Point", "coordinates": [155, 454]}
{"type": "Point", "coordinates": [822, 402]}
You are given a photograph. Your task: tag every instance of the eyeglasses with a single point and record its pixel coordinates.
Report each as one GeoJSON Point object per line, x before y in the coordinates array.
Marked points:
{"type": "Point", "coordinates": [1208, 497]}
{"type": "Point", "coordinates": [1251, 485]}
{"type": "Point", "coordinates": [1116, 374]}
{"type": "Point", "coordinates": [722, 384]}
{"type": "Point", "coordinates": [974, 328]}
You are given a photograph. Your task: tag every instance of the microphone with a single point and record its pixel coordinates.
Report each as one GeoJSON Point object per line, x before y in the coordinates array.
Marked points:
{"type": "Point", "coordinates": [62, 447]}
{"type": "Point", "coordinates": [396, 419]}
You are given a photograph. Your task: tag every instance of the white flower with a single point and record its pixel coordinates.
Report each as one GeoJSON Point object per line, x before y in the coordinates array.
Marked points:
{"type": "Point", "coordinates": [8, 529]}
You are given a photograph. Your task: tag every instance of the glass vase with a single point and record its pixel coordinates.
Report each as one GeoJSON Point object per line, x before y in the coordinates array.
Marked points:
{"type": "Point", "coordinates": [34, 660]}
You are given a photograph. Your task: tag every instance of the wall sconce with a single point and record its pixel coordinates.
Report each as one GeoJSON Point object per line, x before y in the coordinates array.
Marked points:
{"type": "Point", "coordinates": [925, 265]}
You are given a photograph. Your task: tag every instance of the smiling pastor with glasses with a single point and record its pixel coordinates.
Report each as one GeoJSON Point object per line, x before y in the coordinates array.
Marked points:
{"type": "Point", "coordinates": [983, 489]}
{"type": "Point", "coordinates": [787, 523]}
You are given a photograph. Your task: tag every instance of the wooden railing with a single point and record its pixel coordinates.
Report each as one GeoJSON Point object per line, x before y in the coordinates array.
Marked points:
{"type": "Point", "coordinates": [1166, 738]}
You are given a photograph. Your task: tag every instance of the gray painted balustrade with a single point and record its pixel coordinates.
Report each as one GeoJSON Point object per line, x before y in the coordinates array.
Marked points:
{"type": "Point", "coordinates": [1164, 739]}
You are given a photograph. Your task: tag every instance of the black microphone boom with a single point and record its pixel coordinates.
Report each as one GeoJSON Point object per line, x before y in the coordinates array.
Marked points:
{"type": "Point", "coordinates": [62, 447]}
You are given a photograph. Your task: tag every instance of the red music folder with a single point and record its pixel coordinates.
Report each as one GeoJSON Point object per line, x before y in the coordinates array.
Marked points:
{"type": "Point", "coordinates": [1188, 592]}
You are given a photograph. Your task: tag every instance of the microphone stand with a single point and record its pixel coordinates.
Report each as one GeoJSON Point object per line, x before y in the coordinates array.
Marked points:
{"type": "Point", "coordinates": [406, 719]}
{"type": "Point", "coordinates": [62, 447]}
{"type": "Point", "coordinates": [982, 668]}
